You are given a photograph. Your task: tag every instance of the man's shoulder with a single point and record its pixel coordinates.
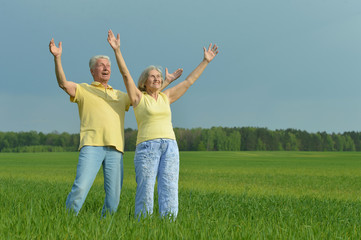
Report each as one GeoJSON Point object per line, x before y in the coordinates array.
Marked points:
{"type": "Point", "coordinates": [120, 93]}
{"type": "Point", "coordinates": [85, 85]}
{"type": "Point", "coordinates": [122, 97]}
{"type": "Point", "coordinates": [90, 87]}
{"type": "Point", "coordinates": [84, 89]}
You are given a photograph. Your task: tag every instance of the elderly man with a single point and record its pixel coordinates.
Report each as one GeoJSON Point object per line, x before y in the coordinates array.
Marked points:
{"type": "Point", "coordinates": [101, 111]}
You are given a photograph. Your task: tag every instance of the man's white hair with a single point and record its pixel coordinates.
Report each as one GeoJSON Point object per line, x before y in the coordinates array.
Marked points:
{"type": "Point", "coordinates": [94, 59]}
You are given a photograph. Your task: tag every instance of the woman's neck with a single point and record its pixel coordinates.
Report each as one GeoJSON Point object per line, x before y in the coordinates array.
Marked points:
{"type": "Point", "coordinates": [153, 93]}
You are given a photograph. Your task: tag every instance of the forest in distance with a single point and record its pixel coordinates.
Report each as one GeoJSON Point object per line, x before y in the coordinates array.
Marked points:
{"type": "Point", "coordinates": [198, 139]}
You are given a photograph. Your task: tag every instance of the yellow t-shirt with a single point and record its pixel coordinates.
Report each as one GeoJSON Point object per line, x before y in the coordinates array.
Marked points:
{"type": "Point", "coordinates": [154, 118]}
{"type": "Point", "coordinates": [101, 113]}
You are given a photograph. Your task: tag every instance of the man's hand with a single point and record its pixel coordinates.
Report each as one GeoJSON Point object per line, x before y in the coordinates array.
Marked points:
{"type": "Point", "coordinates": [56, 51]}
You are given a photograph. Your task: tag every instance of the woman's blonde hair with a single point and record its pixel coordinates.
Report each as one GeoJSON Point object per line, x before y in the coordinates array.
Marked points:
{"type": "Point", "coordinates": [145, 74]}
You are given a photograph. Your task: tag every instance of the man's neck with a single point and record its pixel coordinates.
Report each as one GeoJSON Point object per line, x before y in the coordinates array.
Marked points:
{"type": "Point", "coordinates": [104, 83]}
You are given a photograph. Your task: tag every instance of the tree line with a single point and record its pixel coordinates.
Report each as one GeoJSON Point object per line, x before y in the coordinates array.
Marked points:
{"type": "Point", "coordinates": [198, 139]}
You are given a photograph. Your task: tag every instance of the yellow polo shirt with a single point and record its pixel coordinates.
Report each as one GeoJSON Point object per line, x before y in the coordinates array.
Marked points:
{"type": "Point", "coordinates": [101, 113]}
{"type": "Point", "coordinates": [154, 118]}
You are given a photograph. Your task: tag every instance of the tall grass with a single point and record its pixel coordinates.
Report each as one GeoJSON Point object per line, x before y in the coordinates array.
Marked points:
{"type": "Point", "coordinates": [223, 195]}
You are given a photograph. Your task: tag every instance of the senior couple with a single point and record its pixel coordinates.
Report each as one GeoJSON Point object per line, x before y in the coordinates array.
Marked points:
{"type": "Point", "coordinates": [101, 111]}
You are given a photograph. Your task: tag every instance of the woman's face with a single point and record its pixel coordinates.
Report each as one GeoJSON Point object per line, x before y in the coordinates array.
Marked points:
{"type": "Point", "coordinates": [154, 81]}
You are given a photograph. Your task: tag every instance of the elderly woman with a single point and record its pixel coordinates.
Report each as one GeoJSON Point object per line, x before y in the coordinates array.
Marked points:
{"type": "Point", "coordinates": [156, 154]}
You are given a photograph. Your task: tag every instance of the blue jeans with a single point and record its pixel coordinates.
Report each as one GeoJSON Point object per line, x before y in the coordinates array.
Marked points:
{"type": "Point", "coordinates": [90, 160]}
{"type": "Point", "coordinates": [158, 158]}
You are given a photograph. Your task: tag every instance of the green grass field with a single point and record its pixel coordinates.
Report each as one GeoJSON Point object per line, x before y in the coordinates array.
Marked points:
{"type": "Point", "coordinates": [222, 195]}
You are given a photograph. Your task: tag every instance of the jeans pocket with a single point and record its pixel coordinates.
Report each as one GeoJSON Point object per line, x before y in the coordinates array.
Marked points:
{"type": "Point", "coordinates": [143, 146]}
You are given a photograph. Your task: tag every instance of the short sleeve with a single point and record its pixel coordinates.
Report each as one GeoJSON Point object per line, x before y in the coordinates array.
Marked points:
{"type": "Point", "coordinates": [127, 102]}
{"type": "Point", "coordinates": [77, 94]}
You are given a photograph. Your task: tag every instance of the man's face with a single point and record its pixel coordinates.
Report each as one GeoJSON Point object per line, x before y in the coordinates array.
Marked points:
{"type": "Point", "coordinates": [101, 70]}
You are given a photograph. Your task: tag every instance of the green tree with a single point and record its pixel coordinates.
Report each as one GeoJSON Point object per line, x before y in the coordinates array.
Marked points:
{"type": "Point", "coordinates": [290, 142]}
{"type": "Point", "coordinates": [210, 136]}
{"type": "Point", "coordinates": [261, 146]}
{"type": "Point", "coordinates": [220, 139]}
{"type": "Point", "coordinates": [339, 142]}
{"type": "Point", "coordinates": [249, 139]}
{"type": "Point", "coordinates": [234, 141]}
{"type": "Point", "coordinates": [349, 144]}
{"type": "Point", "coordinates": [201, 146]}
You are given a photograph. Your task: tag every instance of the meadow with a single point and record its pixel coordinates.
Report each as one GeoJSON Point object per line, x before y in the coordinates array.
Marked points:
{"type": "Point", "coordinates": [222, 195]}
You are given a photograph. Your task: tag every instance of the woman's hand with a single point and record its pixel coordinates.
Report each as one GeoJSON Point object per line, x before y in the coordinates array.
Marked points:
{"type": "Point", "coordinates": [171, 77]}
{"type": "Point", "coordinates": [114, 42]}
{"type": "Point", "coordinates": [210, 53]}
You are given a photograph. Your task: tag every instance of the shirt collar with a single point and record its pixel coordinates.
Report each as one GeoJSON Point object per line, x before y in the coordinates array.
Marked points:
{"type": "Point", "coordinates": [98, 84]}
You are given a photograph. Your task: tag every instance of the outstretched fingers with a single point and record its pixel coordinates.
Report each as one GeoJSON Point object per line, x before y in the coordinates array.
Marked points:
{"type": "Point", "coordinates": [110, 35]}
{"type": "Point", "coordinates": [178, 72]}
{"type": "Point", "coordinates": [51, 44]}
{"type": "Point", "coordinates": [215, 49]}
{"type": "Point", "coordinates": [211, 52]}
{"type": "Point", "coordinates": [175, 75]}
{"type": "Point", "coordinates": [114, 42]}
{"type": "Point", "coordinates": [56, 51]}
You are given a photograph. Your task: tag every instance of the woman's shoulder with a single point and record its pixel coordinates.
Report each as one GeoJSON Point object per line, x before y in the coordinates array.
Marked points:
{"type": "Point", "coordinates": [164, 96]}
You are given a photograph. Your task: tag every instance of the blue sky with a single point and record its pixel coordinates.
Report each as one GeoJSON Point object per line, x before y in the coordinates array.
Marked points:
{"type": "Point", "coordinates": [282, 63]}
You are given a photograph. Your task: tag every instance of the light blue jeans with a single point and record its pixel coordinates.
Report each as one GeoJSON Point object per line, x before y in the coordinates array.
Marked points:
{"type": "Point", "coordinates": [90, 160]}
{"type": "Point", "coordinates": [157, 159]}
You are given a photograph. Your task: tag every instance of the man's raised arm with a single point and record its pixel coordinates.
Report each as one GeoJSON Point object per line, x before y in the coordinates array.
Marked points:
{"type": "Point", "coordinates": [67, 86]}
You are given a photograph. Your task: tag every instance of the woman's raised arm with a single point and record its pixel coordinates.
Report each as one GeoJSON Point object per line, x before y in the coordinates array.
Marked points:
{"type": "Point", "coordinates": [177, 91]}
{"type": "Point", "coordinates": [133, 92]}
